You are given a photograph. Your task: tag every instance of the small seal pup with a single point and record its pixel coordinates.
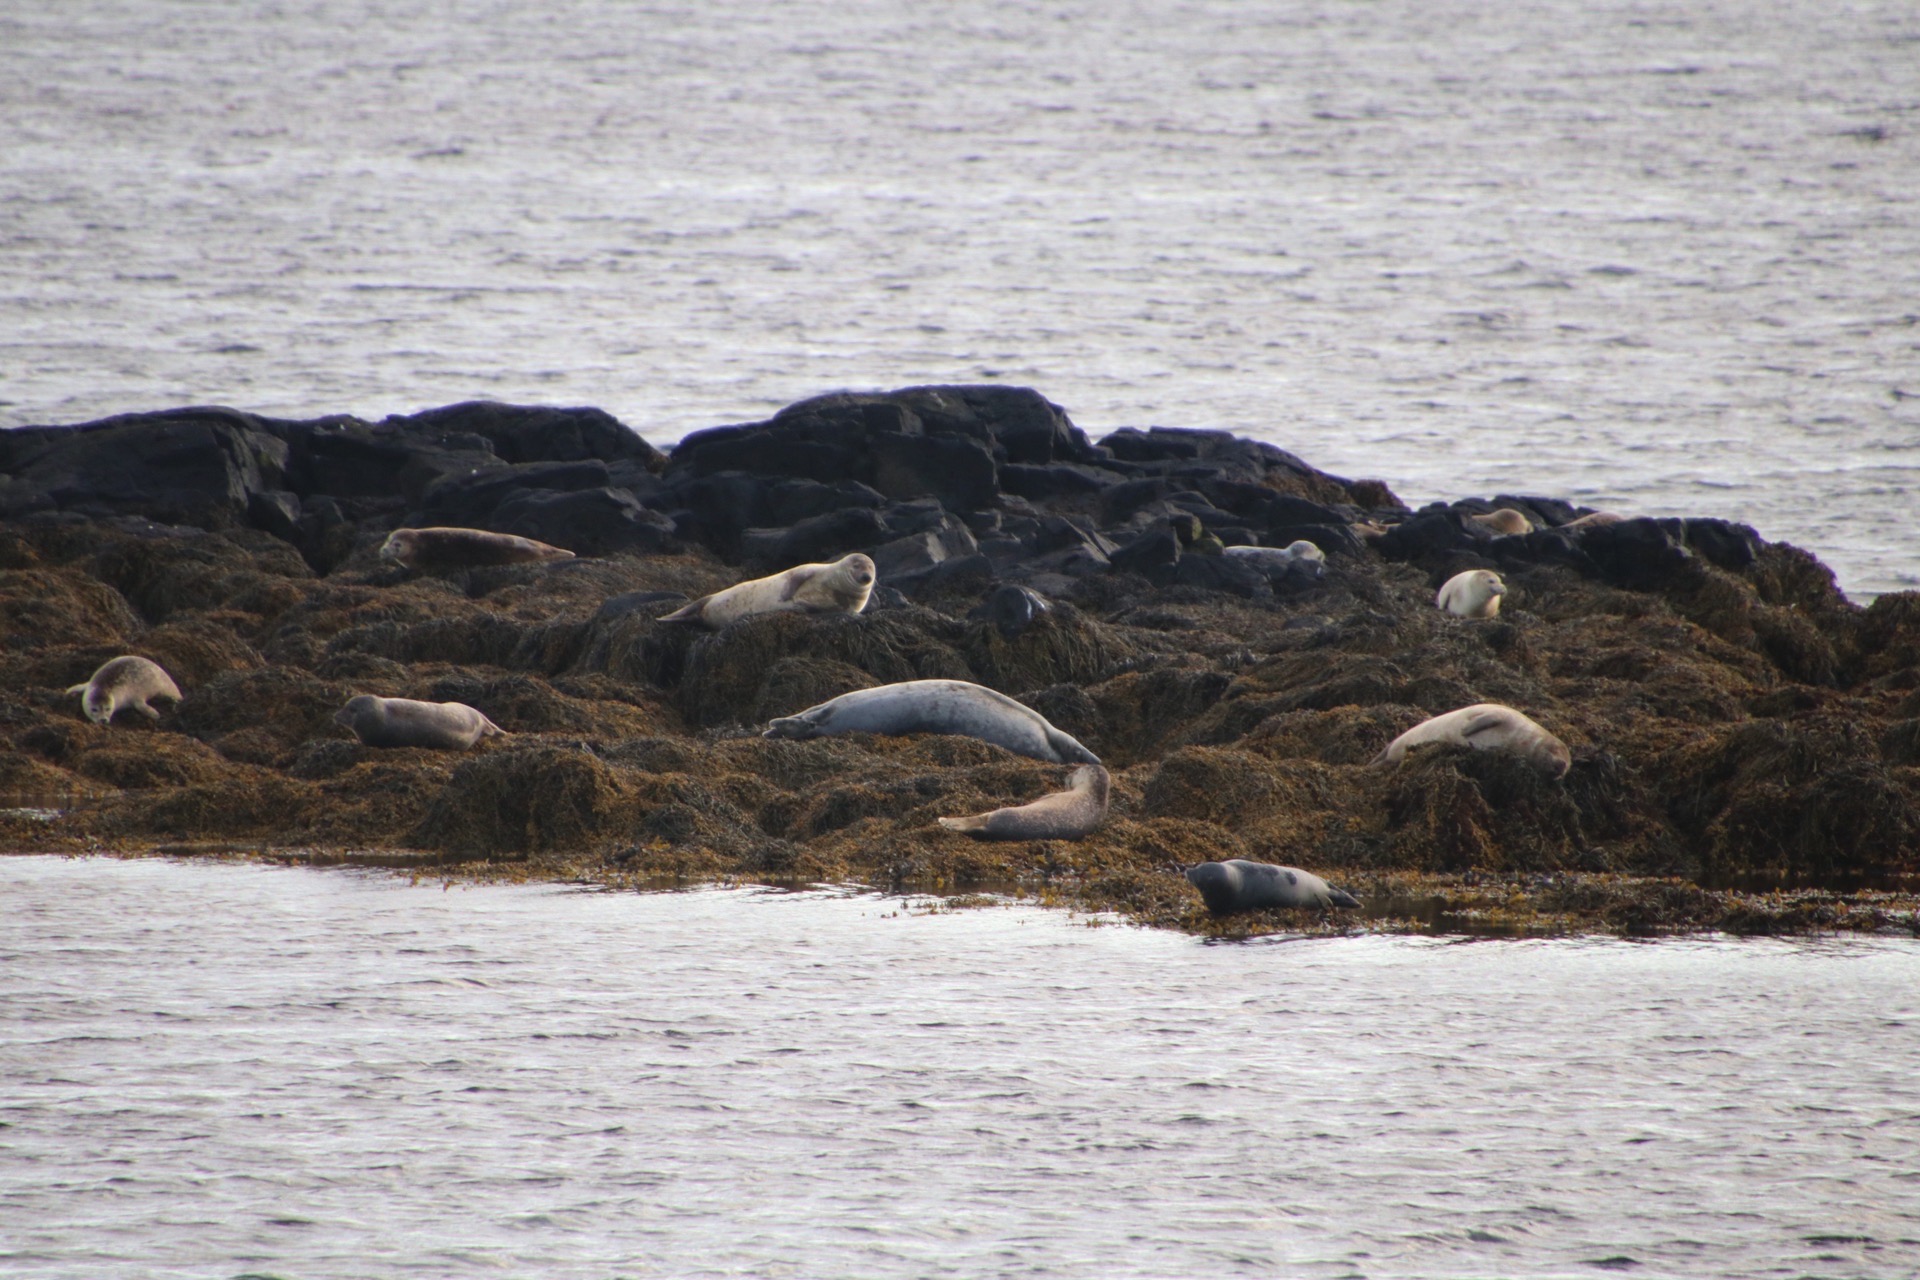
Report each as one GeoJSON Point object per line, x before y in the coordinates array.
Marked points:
{"type": "Point", "coordinates": [1486, 726]}
{"type": "Point", "coordinates": [1502, 523]}
{"type": "Point", "coordinates": [403, 722]}
{"type": "Point", "coordinates": [937, 706]}
{"type": "Point", "coordinates": [843, 586]}
{"type": "Point", "coordinates": [445, 547]}
{"type": "Point", "coordinates": [1473, 594]}
{"type": "Point", "coordinates": [1063, 815]}
{"type": "Point", "coordinates": [1240, 885]}
{"type": "Point", "coordinates": [122, 682]}
{"type": "Point", "coordinates": [1280, 557]}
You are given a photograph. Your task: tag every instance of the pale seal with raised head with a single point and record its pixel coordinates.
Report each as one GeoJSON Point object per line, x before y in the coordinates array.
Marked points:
{"type": "Point", "coordinates": [1486, 726]}
{"type": "Point", "coordinates": [1592, 520]}
{"type": "Point", "coordinates": [123, 682]}
{"type": "Point", "coordinates": [937, 706]}
{"type": "Point", "coordinates": [843, 586]}
{"type": "Point", "coordinates": [1242, 885]}
{"type": "Point", "coordinates": [1505, 522]}
{"type": "Point", "coordinates": [404, 722]}
{"type": "Point", "coordinates": [1280, 557]}
{"type": "Point", "coordinates": [446, 547]}
{"type": "Point", "coordinates": [1063, 815]}
{"type": "Point", "coordinates": [1473, 594]}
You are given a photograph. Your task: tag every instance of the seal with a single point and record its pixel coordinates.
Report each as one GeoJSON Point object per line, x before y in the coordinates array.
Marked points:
{"type": "Point", "coordinates": [1011, 609]}
{"type": "Point", "coordinates": [1486, 726]}
{"type": "Point", "coordinates": [843, 586]}
{"type": "Point", "coordinates": [1240, 885]}
{"type": "Point", "coordinates": [403, 722]}
{"type": "Point", "coordinates": [937, 706]}
{"type": "Point", "coordinates": [1502, 523]}
{"type": "Point", "coordinates": [122, 682]}
{"type": "Point", "coordinates": [1280, 557]}
{"type": "Point", "coordinates": [445, 547]}
{"type": "Point", "coordinates": [1592, 520]}
{"type": "Point", "coordinates": [1063, 815]}
{"type": "Point", "coordinates": [1473, 594]}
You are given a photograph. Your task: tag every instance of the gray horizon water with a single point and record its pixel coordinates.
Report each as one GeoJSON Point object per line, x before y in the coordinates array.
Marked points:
{"type": "Point", "coordinates": [1657, 257]}
{"type": "Point", "coordinates": [216, 1070]}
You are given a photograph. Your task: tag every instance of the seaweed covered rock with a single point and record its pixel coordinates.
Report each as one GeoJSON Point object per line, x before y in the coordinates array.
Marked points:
{"type": "Point", "coordinates": [1736, 723]}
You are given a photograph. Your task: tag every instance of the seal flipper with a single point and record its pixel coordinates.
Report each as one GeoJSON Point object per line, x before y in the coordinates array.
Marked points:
{"type": "Point", "coordinates": [691, 611]}
{"type": "Point", "coordinates": [1484, 721]}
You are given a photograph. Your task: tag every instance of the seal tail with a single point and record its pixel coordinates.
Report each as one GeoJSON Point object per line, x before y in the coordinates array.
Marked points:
{"type": "Point", "coordinates": [80, 688]}
{"type": "Point", "coordinates": [1341, 898]}
{"type": "Point", "coordinates": [968, 826]}
{"type": "Point", "coordinates": [1385, 757]}
{"type": "Point", "coordinates": [688, 612]}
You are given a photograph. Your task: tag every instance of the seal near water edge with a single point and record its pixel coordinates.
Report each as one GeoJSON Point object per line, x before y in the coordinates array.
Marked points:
{"type": "Point", "coordinates": [1486, 726]}
{"type": "Point", "coordinates": [936, 706]}
{"type": "Point", "coordinates": [122, 682]}
{"type": "Point", "coordinates": [1063, 815]}
{"type": "Point", "coordinates": [1506, 522]}
{"type": "Point", "coordinates": [1473, 594]}
{"type": "Point", "coordinates": [447, 547]}
{"type": "Point", "coordinates": [1241, 885]}
{"type": "Point", "coordinates": [843, 586]}
{"type": "Point", "coordinates": [1592, 520]}
{"type": "Point", "coordinates": [404, 722]}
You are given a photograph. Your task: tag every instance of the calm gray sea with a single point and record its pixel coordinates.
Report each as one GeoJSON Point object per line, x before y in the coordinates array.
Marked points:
{"type": "Point", "coordinates": [1662, 257]}
{"type": "Point", "coordinates": [217, 1071]}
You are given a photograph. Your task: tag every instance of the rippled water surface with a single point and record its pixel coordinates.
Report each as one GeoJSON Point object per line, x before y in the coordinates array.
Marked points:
{"type": "Point", "coordinates": [1663, 257]}
{"type": "Point", "coordinates": [216, 1070]}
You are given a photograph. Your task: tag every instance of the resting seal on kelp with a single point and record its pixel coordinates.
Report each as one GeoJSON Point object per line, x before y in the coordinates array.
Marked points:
{"type": "Point", "coordinates": [937, 706]}
{"type": "Point", "coordinates": [404, 722]}
{"type": "Point", "coordinates": [1063, 815]}
{"type": "Point", "coordinates": [1486, 726]}
{"type": "Point", "coordinates": [122, 682]}
{"type": "Point", "coordinates": [844, 586]}
{"type": "Point", "coordinates": [446, 547]}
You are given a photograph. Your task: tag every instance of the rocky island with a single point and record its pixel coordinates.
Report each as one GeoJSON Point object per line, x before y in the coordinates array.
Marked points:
{"type": "Point", "coordinates": [1744, 740]}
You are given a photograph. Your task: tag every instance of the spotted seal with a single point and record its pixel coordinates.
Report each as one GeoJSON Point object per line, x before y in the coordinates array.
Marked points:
{"type": "Point", "coordinates": [843, 586]}
{"type": "Point", "coordinates": [123, 682]}
{"type": "Point", "coordinates": [937, 706]}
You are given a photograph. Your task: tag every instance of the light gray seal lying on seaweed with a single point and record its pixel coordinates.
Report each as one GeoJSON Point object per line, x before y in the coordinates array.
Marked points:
{"type": "Point", "coordinates": [1240, 885]}
{"type": "Point", "coordinates": [842, 586]}
{"type": "Point", "coordinates": [404, 722]}
{"type": "Point", "coordinates": [1063, 815]}
{"type": "Point", "coordinates": [122, 682]}
{"type": "Point", "coordinates": [937, 706]}
{"type": "Point", "coordinates": [1486, 726]}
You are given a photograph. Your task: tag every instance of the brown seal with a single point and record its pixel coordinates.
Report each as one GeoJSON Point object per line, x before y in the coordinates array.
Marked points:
{"type": "Point", "coordinates": [122, 682]}
{"type": "Point", "coordinates": [403, 722]}
{"type": "Point", "coordinates": [1502, 523]}
{"type": "Point", "coordinates": [445, 547]}
{"type": "Point", "coordinates": [1063, 815]}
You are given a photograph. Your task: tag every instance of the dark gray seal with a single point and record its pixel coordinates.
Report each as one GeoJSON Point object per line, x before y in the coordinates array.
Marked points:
{"type": "Point", "coordinates": [937, 706]}
{"type": "Point", "coordinates": [403, 722]}
{"type": "Point", "coordinates": [1240, 885]}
